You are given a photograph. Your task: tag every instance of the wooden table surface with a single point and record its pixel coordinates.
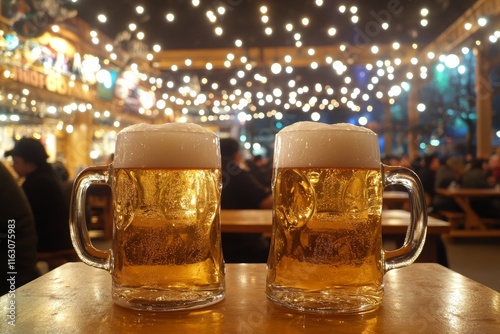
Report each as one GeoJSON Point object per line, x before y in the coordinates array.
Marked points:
{"type": "Point", "coordinates": [260, 221]}
{"type": "Point", "coordinates": [394, 228]}
{"type": "Point", "coordinates": [394, 199]}
{"type": "Point", "coordinates": [422, 298]}
{"type": "Point", "coordinates": [462, 197]}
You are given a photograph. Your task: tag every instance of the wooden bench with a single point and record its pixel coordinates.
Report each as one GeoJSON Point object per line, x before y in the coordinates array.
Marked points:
{"type": "Point", "coordinates": [457, 222]}
{"type": "Point", "coordinates": [489, 233]}
{"type": "Point", "coordinates": [491, 222]}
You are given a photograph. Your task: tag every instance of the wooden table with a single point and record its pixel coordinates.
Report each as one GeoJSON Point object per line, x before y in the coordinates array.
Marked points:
{"type": "Point", "coordinates": [394, 227]}
{"type": "Point", "coordinates": [462, 197]}
{"type": "Point", "coordinates": [393, 199]}
{"type": "Point", "coordinates": [260, 221]}
{"type": "Point", "coordinates": [422, 298]}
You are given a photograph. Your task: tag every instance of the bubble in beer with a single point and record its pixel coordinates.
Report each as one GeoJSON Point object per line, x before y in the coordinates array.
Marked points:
{"type": "Point", "coordinates": [312, 144]}
{"type": "Point", "coordinates": [170, 145]}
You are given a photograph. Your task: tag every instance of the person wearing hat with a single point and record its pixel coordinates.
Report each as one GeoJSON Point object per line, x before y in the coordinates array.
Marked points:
{"type": "Point", "coordinates": [241, 190]}
{"type": "Point", "coordinates": [44, 194]}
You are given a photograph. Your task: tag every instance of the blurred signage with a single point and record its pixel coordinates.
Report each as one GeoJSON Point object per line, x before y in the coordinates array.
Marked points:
{"type": "Point", "coordinates": [52, 82]}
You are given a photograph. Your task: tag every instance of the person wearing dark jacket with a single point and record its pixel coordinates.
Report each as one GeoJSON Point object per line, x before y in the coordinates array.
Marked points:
{"type": "Point", "coordinates": [427, 175]}
{"type": "Point", "coordinates": [17, 235]}
{"type": "Point", "coordinates": [476, 177]}
{"type": "Point", "coordinates": [44, 194]}
{"type": "Point", "coordinates": [241, 190]}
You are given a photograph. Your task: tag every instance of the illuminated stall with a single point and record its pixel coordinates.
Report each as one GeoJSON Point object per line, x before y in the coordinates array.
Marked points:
{"type": "Point", "coordinates": [57, 86]}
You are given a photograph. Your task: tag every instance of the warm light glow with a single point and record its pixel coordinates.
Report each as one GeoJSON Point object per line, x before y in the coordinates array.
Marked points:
{"type": "Point", "coordinates": [452, 61]}
{"type": "Point", "coordinates": [102, 18]}
{"type": "Point", "coordinates": [201, 90]}
{"type": "Point", "coordinates": [170, 17]}
{"type": "Point", "coordinates": [482, 21]}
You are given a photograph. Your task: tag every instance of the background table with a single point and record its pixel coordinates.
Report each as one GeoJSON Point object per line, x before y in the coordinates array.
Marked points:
{"type": "Point", "coordinates": [422, 298]}
{"type": "Point", "coordinates": [394, 227]}
{"type": "Point", "coordinates": [260, 221]}
{"type": "Point", "coordinates": [393, 199]}
{"type": "Point", "coordinates": [462, 197]}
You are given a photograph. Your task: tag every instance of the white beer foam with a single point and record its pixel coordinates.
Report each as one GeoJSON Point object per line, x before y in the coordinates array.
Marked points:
{"type": "Point", "coordinates": [170, 145]}
{"type": "Point", "coordinates": [311, 144]}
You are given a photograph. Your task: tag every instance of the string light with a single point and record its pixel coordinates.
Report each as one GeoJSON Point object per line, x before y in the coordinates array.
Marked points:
{"type": "Point", "coordinates": [245, 67]}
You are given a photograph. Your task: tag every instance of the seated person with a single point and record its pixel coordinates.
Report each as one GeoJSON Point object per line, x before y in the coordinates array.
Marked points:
{"type": "Point", "coordinates": [476, 177]}
{"type": "Point", "coordinates": [427, 175]}
{"type": "Point", "coordinates": [17, 227]}
{"type": "Point", "coordinates": [241, 190]}
{"type": "Point", "coordinates": [448, 176]}
{"type": "Point", "coordinates": [45, 196]}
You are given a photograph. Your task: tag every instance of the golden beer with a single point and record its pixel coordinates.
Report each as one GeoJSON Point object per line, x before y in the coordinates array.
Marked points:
{"type": "Point", "coordinates": [166, 251]}
{"type": "Point", "coordinates": [326, 248]}
{"type": "Point", "coordinates": [167, 235]}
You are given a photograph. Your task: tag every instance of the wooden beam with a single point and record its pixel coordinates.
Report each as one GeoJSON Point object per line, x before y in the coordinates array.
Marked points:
{"type": "Point", "coordinates": [456, 33]}
{"type": "Point", "coordinates": [266, 56]}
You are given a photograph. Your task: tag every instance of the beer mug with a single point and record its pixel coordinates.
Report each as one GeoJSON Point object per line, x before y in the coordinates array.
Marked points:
{"type": "Point", "coordinates": [326, 249]}
{"type": "Point", "coordinates": [166, 248]}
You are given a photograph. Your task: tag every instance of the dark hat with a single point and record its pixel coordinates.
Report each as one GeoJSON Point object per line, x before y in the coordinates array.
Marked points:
{"type": "Point", "coordinates": [30, 149]}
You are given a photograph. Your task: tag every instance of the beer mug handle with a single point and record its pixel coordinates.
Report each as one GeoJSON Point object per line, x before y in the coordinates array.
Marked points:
{"type": "Point", "coordinates": [417, 230]}
{"type": "Point", "coordinates": [78, 222]}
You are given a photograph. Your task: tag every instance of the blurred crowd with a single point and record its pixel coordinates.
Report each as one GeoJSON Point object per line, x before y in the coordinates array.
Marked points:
{"type": "Point", "coordinates": [39, 207]}
{"type": "Point", "coordinates": [455, 171]}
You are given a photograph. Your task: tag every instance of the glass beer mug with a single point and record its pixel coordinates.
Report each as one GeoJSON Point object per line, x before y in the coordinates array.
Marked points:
{"type": "Point", "coordinates": [166, 249]}
{"type": "Point", "coordinates": [326, 248]}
